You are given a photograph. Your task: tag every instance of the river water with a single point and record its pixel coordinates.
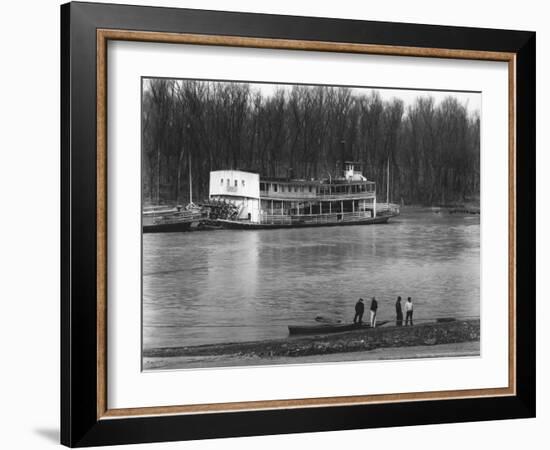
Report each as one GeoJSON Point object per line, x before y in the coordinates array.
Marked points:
{"type": "Point", "coordinates": [230, 285]}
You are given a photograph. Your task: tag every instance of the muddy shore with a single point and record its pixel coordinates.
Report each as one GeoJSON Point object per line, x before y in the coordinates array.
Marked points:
{"type": "Point", "coordinates": [461, 349]}
{"type": "Point", "coordinates": [363, 340]}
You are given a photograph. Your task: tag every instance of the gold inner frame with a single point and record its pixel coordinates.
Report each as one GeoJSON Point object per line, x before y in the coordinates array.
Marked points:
{"type": "Point", "coordinates": [104, 35]}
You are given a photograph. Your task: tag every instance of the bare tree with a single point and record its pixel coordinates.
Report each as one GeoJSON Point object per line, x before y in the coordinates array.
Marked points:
{"type": "Point", "coordinates": [432, 150]}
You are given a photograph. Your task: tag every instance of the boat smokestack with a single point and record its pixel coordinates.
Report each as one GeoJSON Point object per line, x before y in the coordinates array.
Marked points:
{"type": "Point", "coordinates": [290, 173]}
{"type": "Point", "coordinates": [343, 155]}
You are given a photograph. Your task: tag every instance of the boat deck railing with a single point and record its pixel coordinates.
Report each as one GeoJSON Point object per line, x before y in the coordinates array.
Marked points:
{"type": "Point", "coordinates": [334, 217]}
{"type": "Point", "coordinates": [305, 196]}
{"type": "Point", "coordinates": [171, 216]}
{"type": "Point", "coordinates": [387, 208]}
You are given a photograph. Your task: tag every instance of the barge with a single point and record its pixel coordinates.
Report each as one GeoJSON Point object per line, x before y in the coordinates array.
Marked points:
{"type": "Point", "coordinates": [169, 220]}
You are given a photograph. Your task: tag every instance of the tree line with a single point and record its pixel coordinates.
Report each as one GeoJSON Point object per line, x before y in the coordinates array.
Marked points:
{"type": "Point", "coordinates": [192, 127]}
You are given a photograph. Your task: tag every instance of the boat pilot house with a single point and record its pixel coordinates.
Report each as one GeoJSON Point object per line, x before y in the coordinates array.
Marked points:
{"type": "Point", "coordinates": [268, 202]}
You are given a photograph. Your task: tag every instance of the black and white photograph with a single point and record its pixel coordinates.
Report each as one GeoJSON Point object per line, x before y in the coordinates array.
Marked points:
{"type": "Point", "coordinates": [275, 225]}
{"type": "Point", "coordinates": [298, 224]}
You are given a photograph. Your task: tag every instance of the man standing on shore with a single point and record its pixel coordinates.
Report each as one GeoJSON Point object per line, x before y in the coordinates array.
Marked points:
{"type": "Point", "coordinates": [359, 310]}
{"type": "Point", "coordinates": [373, 309]}
{"type": "Point", "coordinates": [398, 313]}
{"type": "Point", "coordinates": [409, 312]}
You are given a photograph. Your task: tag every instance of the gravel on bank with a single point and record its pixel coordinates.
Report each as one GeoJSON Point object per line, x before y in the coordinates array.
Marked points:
{"type": "Point", "coordinates": [462, 349]}
{"type": "Point", "coordinates": [318, 346]}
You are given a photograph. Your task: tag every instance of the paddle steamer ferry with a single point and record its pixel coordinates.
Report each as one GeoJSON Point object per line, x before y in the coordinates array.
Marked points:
{"type": "Point", "coordinates": [277, 202]}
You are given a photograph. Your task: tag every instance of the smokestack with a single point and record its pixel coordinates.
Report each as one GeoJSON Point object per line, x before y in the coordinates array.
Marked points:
{"type": "Point", "coordinates": [343, 154]}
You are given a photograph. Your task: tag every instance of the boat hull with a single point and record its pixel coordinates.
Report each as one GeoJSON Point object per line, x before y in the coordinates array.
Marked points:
{"type": "Point", "coordinates": [328, 328]}
{"type": "Point", "coordinates": [167, 227]}
{"type": "Point", "coordinates": [245, 225]}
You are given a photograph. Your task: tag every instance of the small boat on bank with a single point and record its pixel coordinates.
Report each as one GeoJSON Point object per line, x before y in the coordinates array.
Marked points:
{"type": "Point", "coordinates": [330, 328]}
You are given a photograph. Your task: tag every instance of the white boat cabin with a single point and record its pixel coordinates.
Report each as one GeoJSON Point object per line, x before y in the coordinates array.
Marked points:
{"type": "Point", "coordinates": [347, 198]}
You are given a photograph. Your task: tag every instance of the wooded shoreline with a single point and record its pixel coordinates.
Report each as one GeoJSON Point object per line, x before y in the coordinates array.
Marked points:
{"type": "Point", "coordinates": [430, 149]}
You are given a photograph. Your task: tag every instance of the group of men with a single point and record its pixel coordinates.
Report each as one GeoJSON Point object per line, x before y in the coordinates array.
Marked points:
{"type": "Point", "coordinates": [360, 310]}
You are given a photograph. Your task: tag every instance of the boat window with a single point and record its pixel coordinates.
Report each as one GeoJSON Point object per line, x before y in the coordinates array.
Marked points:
{"type": "Point", "coordinates": [221, 181]}
{"type": "Point", "coordinates": [275, 186]}
{"type": "Point", "coordinates": [228, 182]}
{"type": "Point", "coordinates": [236, 183]}
{"type": "Point", "coordinates": [242, 182]}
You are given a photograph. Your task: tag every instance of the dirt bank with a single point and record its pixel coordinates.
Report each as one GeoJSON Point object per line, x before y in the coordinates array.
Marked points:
{"type": "Point", "coordinates": [351, 341]}
{"type": "Point", "coordinates": [462, 349]}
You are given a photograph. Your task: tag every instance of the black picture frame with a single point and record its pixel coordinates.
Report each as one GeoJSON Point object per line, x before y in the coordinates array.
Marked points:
{"type": "Point", "coordinates": [80, 425]}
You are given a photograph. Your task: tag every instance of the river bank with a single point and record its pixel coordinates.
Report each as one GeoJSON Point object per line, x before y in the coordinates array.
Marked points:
{"type": "Point", "coordinates": [429, 340]}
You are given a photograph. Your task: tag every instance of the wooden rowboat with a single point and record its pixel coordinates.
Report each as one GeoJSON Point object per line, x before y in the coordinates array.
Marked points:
{"type": "Point", "coordinates": [330, 328]}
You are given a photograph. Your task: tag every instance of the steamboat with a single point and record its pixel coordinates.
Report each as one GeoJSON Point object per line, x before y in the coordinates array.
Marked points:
{"type": "Point", "coordinates": [286, 202]}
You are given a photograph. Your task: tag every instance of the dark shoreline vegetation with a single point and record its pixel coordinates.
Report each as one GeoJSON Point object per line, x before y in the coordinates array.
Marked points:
{"type": "Point", "coordinates": [352, 341]}
{"type": "Point", "coordinates": [306, 132]}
